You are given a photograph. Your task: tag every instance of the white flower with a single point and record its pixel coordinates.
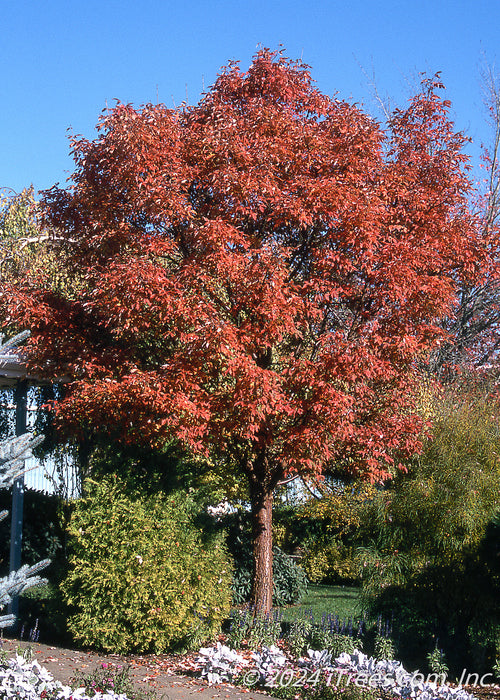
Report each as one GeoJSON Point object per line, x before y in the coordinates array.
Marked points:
{"type": "Point", "coordinates": [21, 679]}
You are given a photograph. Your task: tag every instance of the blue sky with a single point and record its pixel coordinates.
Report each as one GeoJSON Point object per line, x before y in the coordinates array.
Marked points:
{"type": "Point", "coordinates": [63, 61]}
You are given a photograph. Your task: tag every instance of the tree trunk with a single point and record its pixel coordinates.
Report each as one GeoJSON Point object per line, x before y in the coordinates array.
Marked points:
{"type": "Point", "coordinates": [262, 537]}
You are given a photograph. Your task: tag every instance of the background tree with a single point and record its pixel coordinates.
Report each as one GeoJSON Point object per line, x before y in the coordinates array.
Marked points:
{"type": "Point", "coordinates": [427, 560]}
{"type": "Point", "coordinates": [474, 326]}
{"type": "Point", "coordinates": [258, 273]}
{"type": "Point", "coordinates": [28, 248]}
{"type": "Point", "coordinates": [19, 231]}
{"type": "Point", "coordinates": [330, 519]}
{"type": "Point", "coordinates": [30, 253]}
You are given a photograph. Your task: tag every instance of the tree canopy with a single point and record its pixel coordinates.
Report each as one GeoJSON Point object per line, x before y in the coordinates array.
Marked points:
{"type": "Point", "coordinates": [474, 327]}
{"type": "Point", "coordinates": [259, 274]}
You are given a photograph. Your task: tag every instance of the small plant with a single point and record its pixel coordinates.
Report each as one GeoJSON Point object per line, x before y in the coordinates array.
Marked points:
{"type": "Point", "coordinates": [267, 660]}
{"type": "Point", "coordinates": [265, 630]}
{"type": "Point", "coordinates": [239, 630]}
{"type": "Point", "coordinates": [108, 678]}
{"type": "Point", "coordinates": [384, 648]}
{"type": "Point", "coordinates": [300, 631]}
{"type": "Point", "coordinates": [343, 644]}
{"type": "Point", "coordinates": [437, 662]}
{"type": "Point", "coordinates": [320, 638]}
{"type": "Point", "coordinates": [25, 654]}
{"type": "Point", "coordinates": [384, 645]}
{"type": "Point", "coordinates": [218, 664]}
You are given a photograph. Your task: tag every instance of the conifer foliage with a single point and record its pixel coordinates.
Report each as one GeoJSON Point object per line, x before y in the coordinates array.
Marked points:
{"type": "Point", "coordinates": [258, 274]}
{"type": "Point", "coordinates": [13, 452]}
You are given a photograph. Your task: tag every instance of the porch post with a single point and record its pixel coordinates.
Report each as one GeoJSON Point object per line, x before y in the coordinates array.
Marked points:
{"type": "Point", "coordinates": [16, 529]}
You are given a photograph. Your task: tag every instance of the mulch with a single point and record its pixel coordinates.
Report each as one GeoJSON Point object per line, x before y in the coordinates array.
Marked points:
{"type": "Point", "coordinates": [169, 677]}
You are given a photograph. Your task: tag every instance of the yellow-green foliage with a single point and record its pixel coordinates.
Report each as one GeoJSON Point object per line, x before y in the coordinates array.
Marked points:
{"type": "Point", "coordinates": [25, 246]}
{"type": "Point", "coordinates": [29, 250]}
{"type": "Point", "coordinates": [453, 488]}
{"type": "Point", "coordinates": [279, 534]}
{"type": "Point", "coordinates": [329, 554]}
{"type": "Point", "coordinates": [431, 555]}
{"type": "Point", "coordinates": [438, 511]}
{"type": "Point", "coordinates": [141, 576]}
{"type": "Point", "coordinates": [338, 508]}
{"type": "Point", "coordinates": [329, 561]}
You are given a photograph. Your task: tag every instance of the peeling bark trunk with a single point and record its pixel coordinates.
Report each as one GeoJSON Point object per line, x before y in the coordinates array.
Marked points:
{"type": "Point", "coordinates": [262, 537]}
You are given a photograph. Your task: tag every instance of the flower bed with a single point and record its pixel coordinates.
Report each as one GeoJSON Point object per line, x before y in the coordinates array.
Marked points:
{"type": "Point", "coordinates": [272, 671]}
{"type": "Point", "coordinates": [24, 679]}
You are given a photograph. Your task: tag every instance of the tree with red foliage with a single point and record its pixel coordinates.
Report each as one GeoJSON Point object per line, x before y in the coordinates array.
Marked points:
{"type": "Point", "coordinates": [257, 276]}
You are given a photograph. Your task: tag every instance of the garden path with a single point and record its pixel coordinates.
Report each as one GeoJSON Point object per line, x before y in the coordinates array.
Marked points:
{"type": "Point", "coordinates": [160, 673]}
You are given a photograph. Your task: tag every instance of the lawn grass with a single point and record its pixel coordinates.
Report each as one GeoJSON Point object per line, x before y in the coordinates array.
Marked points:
{"type": "Point", "coordinates": [319, 600]}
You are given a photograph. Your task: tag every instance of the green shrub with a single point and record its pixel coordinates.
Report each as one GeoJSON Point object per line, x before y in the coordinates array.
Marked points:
{"type": "Point", "coordinates": [332, 523]}
{"type": "Point", "coordinates": [43, 615]}
{"type": "Point", "coordinates": [141, 577]}
{"type": "Point", "coordinates": [329, 561]}
{"type": "Point", "coordinates": [289, 580]}
{"type": "Point", "coordinates": [242, 581]}
{"type": "Point", "coordinates": [298, 636]}
{"type": "Point", "coordinates": [43, 532]}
